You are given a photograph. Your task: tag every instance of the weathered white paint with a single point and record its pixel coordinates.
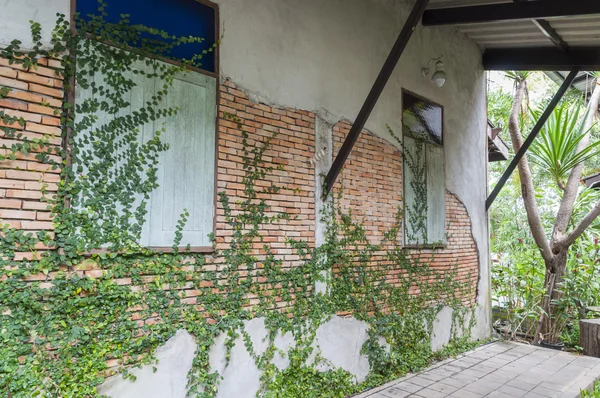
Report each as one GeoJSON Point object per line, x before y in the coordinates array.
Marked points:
{"type": "Point", "coordinates": [339, 342]}
{"type": "Point", "coordinates": [322, 161]}
{"type": "Point", "coordinates": [16, 14]}
{"type": "Point", "coordinates": [414, 160]}
{"type": "Point", "coordinates": [168, 381]}
{"type": "Point", "coordinates": [441, 332]}
{"type": "Point", "coordinates": [240, 378]}
{"type": "Point", "coordinates": [186, 171]}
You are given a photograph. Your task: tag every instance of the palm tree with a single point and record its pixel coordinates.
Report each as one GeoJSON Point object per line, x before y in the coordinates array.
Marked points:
{"type": "Point", "coordinates": [557, 150]}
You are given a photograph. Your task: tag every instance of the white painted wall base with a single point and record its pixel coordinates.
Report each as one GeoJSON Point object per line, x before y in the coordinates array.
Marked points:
{"type": "Point", "coordinates": [170, 379]}
{"type": "Point", "coordinates": [338, 341]}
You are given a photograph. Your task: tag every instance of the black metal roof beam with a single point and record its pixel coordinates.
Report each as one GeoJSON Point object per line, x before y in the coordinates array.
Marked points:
{"type": "Point", "coordinates": [385, 74]}
{"type": "Point", "coordinates": [510, 12]}
{"type": "Point", "coordinates": [531, 137]}
{"type": "Point", "coordinates": [542, 59]}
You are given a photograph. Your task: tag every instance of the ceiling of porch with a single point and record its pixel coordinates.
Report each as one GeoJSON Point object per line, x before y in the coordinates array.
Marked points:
{"type": "Point", "coordinates": [576, 31]}
{"type": "Point", "coordinates": [570, 38]}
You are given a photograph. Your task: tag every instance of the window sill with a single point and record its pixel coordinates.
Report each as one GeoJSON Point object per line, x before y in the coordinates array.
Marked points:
{"type": "Point", "coordinates": [182, 250]}
{"type": "Point", "coordinates": [432, 246]}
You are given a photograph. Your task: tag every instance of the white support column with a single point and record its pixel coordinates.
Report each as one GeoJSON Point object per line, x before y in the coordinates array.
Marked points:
{"type": "Point", "coordinates": [323, 160]}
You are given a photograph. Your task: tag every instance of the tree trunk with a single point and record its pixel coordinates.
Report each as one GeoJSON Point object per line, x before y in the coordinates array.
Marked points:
{"type": "Point", "coordinates": [527, 188]}
{"type": "Point", "coordinates": [547, 329]}
{"type": "Point", "coordinates": [554, 252]}
{"type": "Point", "coordinates": [589, 337]}
{"type": "Point", "coordinates": [548, 326]}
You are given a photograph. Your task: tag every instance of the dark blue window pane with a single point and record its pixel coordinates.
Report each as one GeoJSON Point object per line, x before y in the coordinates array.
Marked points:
{"type": "Point", "coordinates": [177, 17]}
{"type": "Point", "coordinates": [422, 119]}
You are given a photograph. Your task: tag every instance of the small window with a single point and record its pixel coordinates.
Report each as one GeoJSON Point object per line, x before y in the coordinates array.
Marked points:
{"type": "Point", "coordinates": [424, 177]}
{"type": "Point", "coordinates": [422, 119]}
{"type": "Point", "coordinates": [181, 18]}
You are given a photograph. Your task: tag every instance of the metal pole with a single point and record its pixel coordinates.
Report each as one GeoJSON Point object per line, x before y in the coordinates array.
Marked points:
{"type": "Point", "coordinates": [389, 66]}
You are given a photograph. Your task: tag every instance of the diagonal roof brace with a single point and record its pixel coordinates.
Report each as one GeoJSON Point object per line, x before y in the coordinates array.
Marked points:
{"type": "Point", "coordinates": [389, 66]}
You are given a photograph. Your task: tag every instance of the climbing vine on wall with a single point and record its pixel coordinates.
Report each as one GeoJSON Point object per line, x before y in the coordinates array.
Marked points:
{"type": "Point", "coordinates": [59, 336]}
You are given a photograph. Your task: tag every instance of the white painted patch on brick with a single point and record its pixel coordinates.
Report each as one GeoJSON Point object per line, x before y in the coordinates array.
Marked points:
{"type": "Point", "coordinates": [340, 341]}
{"type": "Point", "coordinates": [170, 379]}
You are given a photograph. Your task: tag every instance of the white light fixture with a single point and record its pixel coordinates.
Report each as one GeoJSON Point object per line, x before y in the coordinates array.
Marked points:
{"type": "Point", "coordinates": [439, 76]}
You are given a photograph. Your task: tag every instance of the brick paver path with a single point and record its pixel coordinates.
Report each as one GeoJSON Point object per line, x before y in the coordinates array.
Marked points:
{"type": "Point", "coordinates": [501, 369]}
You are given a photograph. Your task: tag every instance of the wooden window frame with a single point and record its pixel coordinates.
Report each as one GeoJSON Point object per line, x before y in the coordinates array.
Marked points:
{"type": "Point", "coordinates": [427, 246]}
{"type": "Point", "coordinates": [70, 98]}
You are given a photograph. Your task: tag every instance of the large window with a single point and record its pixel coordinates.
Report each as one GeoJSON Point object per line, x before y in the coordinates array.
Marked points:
{"type": "Point", "coordinates": [424, 177]}
{"type": "Point", "coordinates": [186, 170]}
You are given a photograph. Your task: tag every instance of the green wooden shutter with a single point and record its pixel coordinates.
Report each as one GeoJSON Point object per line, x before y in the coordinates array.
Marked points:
{"type": "Point", "coordinates": [186, 171]}
{"type": "Point", "coordinates": [436, 195]}
{"type": "Point", "coordinates": [414, 215]}
{"type": "Point", "coordinates": [136, 97]}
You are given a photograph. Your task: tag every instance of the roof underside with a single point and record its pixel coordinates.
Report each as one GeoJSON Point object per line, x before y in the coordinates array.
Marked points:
{"type": "Point", "coordinates": [584, 82]}
{"type": "Point", "coordinates": [593, 181]}
{"type": "Point", "coordinates": [577, 31]}
{"type": "Point", "coordinates": [516, 33]}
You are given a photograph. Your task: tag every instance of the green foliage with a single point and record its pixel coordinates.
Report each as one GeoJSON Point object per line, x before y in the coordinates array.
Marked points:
{"type": "Point", "coordinates": [518, 75]}
{"type": "Point", "coordinates": [518, 270]}
{"type": "Point", "coordinates": [57, 334]}
{"type": "Point", "coordinates": [518, 274]}
{"type": "Point", "coordinates": [556, 150]}
{"type": "Point", "coordinates": [594, 393]}
{"type": "Point", "coordinates": [499, 104]}
{"type": "Point", "coordinates": [414, 215]}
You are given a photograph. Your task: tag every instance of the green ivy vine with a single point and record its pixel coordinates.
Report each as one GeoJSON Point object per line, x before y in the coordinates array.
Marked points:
{"type": "Point", "coordinates": [59, 335]}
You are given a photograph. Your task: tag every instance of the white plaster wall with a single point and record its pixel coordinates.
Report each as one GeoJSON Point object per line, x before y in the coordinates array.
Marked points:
{"type": "Point", "coordinates": [325, 55]}
{"type": "Point", "coordinates": [16, 14]}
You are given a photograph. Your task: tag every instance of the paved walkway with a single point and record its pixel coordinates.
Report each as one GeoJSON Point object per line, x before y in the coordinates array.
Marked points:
{"type": "Point", "coordinates": [502, 369]}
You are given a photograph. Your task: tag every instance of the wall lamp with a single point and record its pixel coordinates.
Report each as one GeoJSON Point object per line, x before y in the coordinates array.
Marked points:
{"type": "Point", "coordinates": [439, 76]}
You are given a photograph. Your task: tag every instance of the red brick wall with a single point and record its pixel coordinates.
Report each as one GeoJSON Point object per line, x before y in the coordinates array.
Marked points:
{"type": "Point", "coordinates": [35, 97]}
{"type": "Point", "coordinates": [371, 180]}
{"type": "Point", "coordinates": [372, 176]}
{"type": "Point", "coordinates": [372, 189]}
{"type": "Point", "coordinates": [293, 148]}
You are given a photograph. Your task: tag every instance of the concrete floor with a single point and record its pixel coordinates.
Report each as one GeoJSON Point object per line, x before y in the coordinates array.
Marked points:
{"type": "Point", "coordinates": [501, 369]}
